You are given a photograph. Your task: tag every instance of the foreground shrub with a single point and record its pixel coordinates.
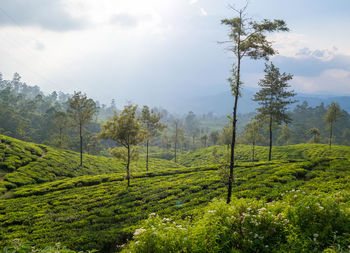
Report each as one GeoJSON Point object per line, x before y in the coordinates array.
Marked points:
{"type": "Point", "coordinates": [303, 224]}
{"type": "Point", "coordinates": [243, 226]}
{"type": "Point", "coordinates": [319, 222]}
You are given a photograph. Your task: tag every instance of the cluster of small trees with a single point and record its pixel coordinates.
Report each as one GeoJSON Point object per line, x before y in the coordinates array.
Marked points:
{"type": "Point", "coordinates": [254, 132]}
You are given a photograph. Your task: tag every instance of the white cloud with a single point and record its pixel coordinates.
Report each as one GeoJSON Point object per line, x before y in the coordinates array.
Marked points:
{"type": "Point", "coordinates": [192, 2]}
{"type": "Point", "coordinates": [331, 81]}
{"type": "Point", "coordinates": [203, 12]}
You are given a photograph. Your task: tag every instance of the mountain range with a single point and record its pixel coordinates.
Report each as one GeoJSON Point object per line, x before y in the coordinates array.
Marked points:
{"type": "Point", "coordinates": [222, 103]}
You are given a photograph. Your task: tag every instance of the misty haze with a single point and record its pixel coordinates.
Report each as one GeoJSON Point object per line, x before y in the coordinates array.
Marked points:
{"type": "Point", "coordinates": [174, 126]}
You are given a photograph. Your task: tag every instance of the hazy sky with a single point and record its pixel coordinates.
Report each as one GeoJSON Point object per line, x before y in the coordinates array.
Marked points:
{"type": "Point", "coordinates": [156, 51]}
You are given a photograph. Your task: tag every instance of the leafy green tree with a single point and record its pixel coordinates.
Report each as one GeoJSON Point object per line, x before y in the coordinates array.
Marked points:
{"type": "Point", "coordinates": [60, 123]}
{"type": "Point", "coordinates": [248, 38]}
{"type": "Point", "coordinates": [191, 123]}
{"type": "Point", "coordinates": [151, 124]}
{"type": "Point", "coordinates": [331, 117]}
{"type": "Point", "coordinates": [204, 139]}
{"type": "Point", "coordinates": [315, 132]}
{"type": "Point", "coordinates": [225, 137]}
{"type": "Point", "coordinates": [274, 98]}
{"type": "Point", "coordinates": [286, 135]}
{"type": "Point", "coordinates": [214, 137]}
{"type": "Point", "coordinates": [166, 141]}
{"type": "Point", "coordinates": [346, 137]}
{"type": "Point", "coordinates": [126, 130]}
{"type": "Point", "coordinates": [179, 135]}
{"type": "Point", "coordinates": [252, 135]}
{"type": "Point", "coordinates": [81, 109]}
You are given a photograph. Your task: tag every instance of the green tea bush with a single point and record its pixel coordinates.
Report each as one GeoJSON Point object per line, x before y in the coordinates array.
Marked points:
{"type": "Point", "coordinates": [244, 226]}
{"type": "Point", "coordinates": [23, 163]}
{"type": "Point", "coordinates": [24, 247]}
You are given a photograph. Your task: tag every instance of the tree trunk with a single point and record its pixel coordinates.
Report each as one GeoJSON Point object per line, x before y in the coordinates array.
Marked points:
{"type": "Point", "coordinates": [253, 150]}
{"type": "Point", "coordinates": [81, 144]}
{"type": "Point", "coordinates": [233, 142]}
{"type": "Point", "coordinates": [331, 136]}
{"type": "Point", "coordinates": [175, 140]}
{"type": "Point", "coordinates": [60, 143]}
{"type": "Point", "coordinates": [147, 155]}
{"type": "Point", "coordinates": [128, 167]}
{"type": "Point", "coordinates": [270, 132]}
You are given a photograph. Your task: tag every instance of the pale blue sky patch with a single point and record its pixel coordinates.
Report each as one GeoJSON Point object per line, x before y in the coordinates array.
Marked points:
{"type": "Point", "coordinates": [156, 51]}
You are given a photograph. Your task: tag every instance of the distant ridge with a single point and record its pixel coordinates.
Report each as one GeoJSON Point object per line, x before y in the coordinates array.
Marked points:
{"type": "Point", "coordinates": [222, 103]}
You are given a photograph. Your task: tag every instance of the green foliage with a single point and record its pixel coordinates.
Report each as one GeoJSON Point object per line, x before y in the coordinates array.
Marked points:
{"type": "Point", "coordinates": [126, 130]}
{"type": "Point", "coordinates": [98, 212]}
{"type": "Point", "coordinates": [21, 247]}
{"type": "Point", "coordinates": [81, 109]}
{"type": "Point", "coordinates": [248, 38]}
{"type": "Point", "coordinates": [206, 156]}
{"type": "Point", "coordinates": [315, 132]}
{"type": "Point", "coordinates": [302, 223]}
{"type": "Point", "coordinates": [151, 124]}
{"type": "Point", "coordinates": [331, 117]}
{"type": "Point", "coordinates": [23, 163]}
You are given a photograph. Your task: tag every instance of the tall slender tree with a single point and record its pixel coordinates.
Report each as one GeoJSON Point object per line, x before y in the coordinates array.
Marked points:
{"type": "Point", "coordinates": [252, 135]}
{"type": "Point", "coordinates": [59, 124]}
{"type": "Point", "coordinates": [248, 39]}
{"type": "Point", "coordinates": [214, 137]}
{"type": "Point", "coordinates": [81, 109]}
{"type": "Point", "coordinates": [151, 124]}
{"type": "Point", "coordinates": [285, 136]}
{"type": "Point", "coordinates": [179, 136]}
{"type": "Point", "coordinates": [274, 98]}
{"type": "Point", "coordinates": [204, 139]}
{"type": "Point", "coordinates": [126, 130]}
{"type": "Point", "coordinates": [331, 117]}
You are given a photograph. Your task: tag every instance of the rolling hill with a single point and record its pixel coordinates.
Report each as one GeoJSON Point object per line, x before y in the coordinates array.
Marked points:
{"type": "Point", "coordinates": [23, 163]}
{"type": "Point", "coordinates": [96, 210]}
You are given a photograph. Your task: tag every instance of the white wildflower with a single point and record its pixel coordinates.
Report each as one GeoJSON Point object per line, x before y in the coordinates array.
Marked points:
{"type": "Point", "coordinates": [139, 231]}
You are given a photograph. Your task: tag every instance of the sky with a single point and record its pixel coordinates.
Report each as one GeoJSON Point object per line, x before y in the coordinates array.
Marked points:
{"type": "Point", "coordinates": [158, 52]}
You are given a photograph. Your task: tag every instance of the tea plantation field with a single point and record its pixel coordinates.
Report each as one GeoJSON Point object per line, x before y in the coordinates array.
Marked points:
{"type": "Point", "coordinates": [215, 154]}
{"type": "Point", "coordinates": [23, 163]}
{"type": "Point", "coordinates": [92, 207]}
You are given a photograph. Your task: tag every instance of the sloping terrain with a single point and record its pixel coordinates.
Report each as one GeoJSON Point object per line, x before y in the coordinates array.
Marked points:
{"type": "Point", "coordinates": [23, 163]}
{"type": "Point", "coordinates": [101, 212]}
{"type": "Point", "coordinates": [243, 153]}
{"type": "Point", "coordinates": [49, 198]}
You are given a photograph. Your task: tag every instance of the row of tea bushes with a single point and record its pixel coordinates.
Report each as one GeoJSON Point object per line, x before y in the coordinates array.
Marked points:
{"type": "Point", "coordinates": [216, 154]}
{"type": "Point", "coordinates": [101, 212]}
{"type": "Point", "coordinates": [23, 163]}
